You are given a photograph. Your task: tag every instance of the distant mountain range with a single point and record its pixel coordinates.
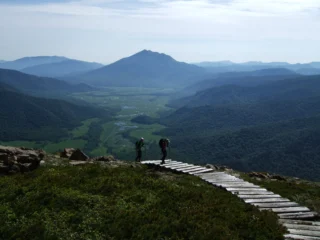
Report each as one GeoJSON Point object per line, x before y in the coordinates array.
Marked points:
{"type": "Point", "coordinates": [26, 62]}
{"type": "Point", "coordinates": [253, 78]}
{"type": "Point", "coordinates": [61, 69]}
{"type": "Point", "coordinates": [144, 69]}
{"type": "Point", "coordinates": [152, 69]}
{"type": "Point", "coordinates": [312, 68]}
{"type": "Point", "coordinates": [39, 85]}
{"type": "Point", "coordinates": [50, 66]}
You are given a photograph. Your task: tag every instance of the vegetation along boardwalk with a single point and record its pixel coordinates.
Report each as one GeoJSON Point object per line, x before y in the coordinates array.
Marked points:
{"type": "Point", "coordinates": [297, 219]}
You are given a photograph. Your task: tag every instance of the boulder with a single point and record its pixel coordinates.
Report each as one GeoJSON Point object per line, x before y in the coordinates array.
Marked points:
{"type": "Point", "coordinates": [79, 155]}
{"type": "Point", "coordinates": [67, 152]}
{"type": "Point", "coordinates": [27, 159]}
{"type": "Point", "coordinates": [13, 159]}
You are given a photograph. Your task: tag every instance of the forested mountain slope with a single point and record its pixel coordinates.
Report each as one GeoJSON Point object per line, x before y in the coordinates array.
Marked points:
{"type": "Point", "coordinates": [33, 84]}
{"type": "Point", "coordinates": [272, 127]}
{"type": "Point", "coordinates": [24, 117]}
{"type": "Point", "coordinates": [288, 89]}
{"type": "Point", "coordinates": [289, 147]}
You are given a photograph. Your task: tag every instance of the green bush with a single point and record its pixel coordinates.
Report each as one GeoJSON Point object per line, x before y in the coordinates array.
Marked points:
{"type": "Point", "coordinates": [91, 202]}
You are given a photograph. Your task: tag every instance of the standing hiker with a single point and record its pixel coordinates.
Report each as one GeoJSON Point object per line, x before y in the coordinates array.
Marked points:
{"type": "Point", "coordinates": [164, 143]}
{"type": "Point", "coordinates": [139, 145]}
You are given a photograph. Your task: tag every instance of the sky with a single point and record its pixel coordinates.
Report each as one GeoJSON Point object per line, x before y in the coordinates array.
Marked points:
{"type": "Point", "coordinates": [188, 30]}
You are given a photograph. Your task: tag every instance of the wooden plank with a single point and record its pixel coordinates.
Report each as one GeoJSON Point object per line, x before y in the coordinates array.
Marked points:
{"type": "Point", "coordinates": [288, 209]}
{"type": "Point", "coordinates": [222, 177]}
{"type": "Point", "coordinates": [187, 168]}
{"type": "Point", "coordinates": [303, 227]}
{"type": "Point", "coordinates": [236, 184]}
{"type": "Point", "coordinates": [191, 170]}
{"type": "Point", "coordinates": [305, 215]}
{"type": "Point", "coordinates": [202, 171]}
{"type": "Point", "coordinates": [172, 164]}
{"type": "Point", "coordinates": [223, 180]}
{"type": "Point", "coordinates": [252, 192]}
{"type": "Point", "coordinates": [179, 166]}
{"type": "Point", "coordinates": [258, 196]}
{"type": "Point", "coordinates": [301, 222]}
{"type": "Point", "coordinates": [276, 205]}
{"type": "Point", "coordinates": [208, 170]}
{"type": "Point", "coordinates": [299, 237]}
{"type": "Point", "coordinates": [246, 189]}
{"type": "Point", "coordinates": [267, 200]}
{"type": "Point", "coordinates": [304, 232]}
{"type": "Point", "coordinates": [214, 174]}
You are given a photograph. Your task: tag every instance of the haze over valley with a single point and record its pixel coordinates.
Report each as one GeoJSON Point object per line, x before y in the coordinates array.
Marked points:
{"type": "Point", "coordinates": [249, 116]}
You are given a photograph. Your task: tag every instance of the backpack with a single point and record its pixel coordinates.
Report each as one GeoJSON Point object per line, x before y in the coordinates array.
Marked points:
{"type": "Point", "coordinates": [138, 145]}
{"type": "Point", "coordinates": [162, 141]}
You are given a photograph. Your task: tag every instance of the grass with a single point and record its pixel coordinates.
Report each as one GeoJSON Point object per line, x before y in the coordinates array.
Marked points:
{"type": "Point", "coordinates": [83, 130]}
{"type": "Point", "coordinates": [92, 202]}
{"type": "Point", "coordinates": [147, 132]}
{"type": "Point", "coordinates": [300, 191]}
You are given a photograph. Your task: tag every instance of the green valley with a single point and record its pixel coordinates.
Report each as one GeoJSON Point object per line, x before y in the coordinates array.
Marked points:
{"type": "Point", "coordinates": [100, 136]}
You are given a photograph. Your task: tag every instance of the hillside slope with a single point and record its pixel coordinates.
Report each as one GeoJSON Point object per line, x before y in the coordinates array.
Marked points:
{"type": "Point", "coordinates": [288, 89]}
{"type": "Point", "coordinates": [271, 127]}
{"type": "Point", "coordinates": [125, 201]}
{"type": "Point", "coordinates": [29, 118]}
{"type": "Point", "coordinates": [288, 148]}
{"type": "Point", "coordinates": [33, 84]}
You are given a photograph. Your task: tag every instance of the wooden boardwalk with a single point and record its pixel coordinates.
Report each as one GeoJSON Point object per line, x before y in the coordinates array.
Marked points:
{"type": "Point", "coordinates": [297, 219]}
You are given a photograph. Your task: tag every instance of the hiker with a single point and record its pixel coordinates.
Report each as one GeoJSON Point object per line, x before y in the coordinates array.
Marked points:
{"type": "Point", "coordinates": [139, 145]}
{"type": "Point", "coordinates": [164, 143]}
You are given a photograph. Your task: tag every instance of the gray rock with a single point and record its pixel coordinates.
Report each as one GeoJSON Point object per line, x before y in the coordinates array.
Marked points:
{"type": "Point", "coordinates": [79, 155]}
{"type": "Point", "coordinates": [67, 152]}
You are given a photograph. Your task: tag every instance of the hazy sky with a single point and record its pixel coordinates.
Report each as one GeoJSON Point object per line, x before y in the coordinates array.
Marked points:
{"type": "Point", "coordinates": [188, 30]}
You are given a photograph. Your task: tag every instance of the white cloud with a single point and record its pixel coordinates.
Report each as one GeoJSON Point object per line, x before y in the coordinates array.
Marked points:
{"type": "Point", "coordinates": [170, 25]}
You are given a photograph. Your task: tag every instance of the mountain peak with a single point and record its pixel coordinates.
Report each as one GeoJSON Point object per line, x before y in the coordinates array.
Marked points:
{"type": "Point", "coordinates": [150, 54]}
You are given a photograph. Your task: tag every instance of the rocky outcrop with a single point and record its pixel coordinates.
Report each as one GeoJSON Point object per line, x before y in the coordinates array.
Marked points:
{"type": "Point", "coordinates": [259, 175]}
{"type": "Point", "coordinates": [14, 160]}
